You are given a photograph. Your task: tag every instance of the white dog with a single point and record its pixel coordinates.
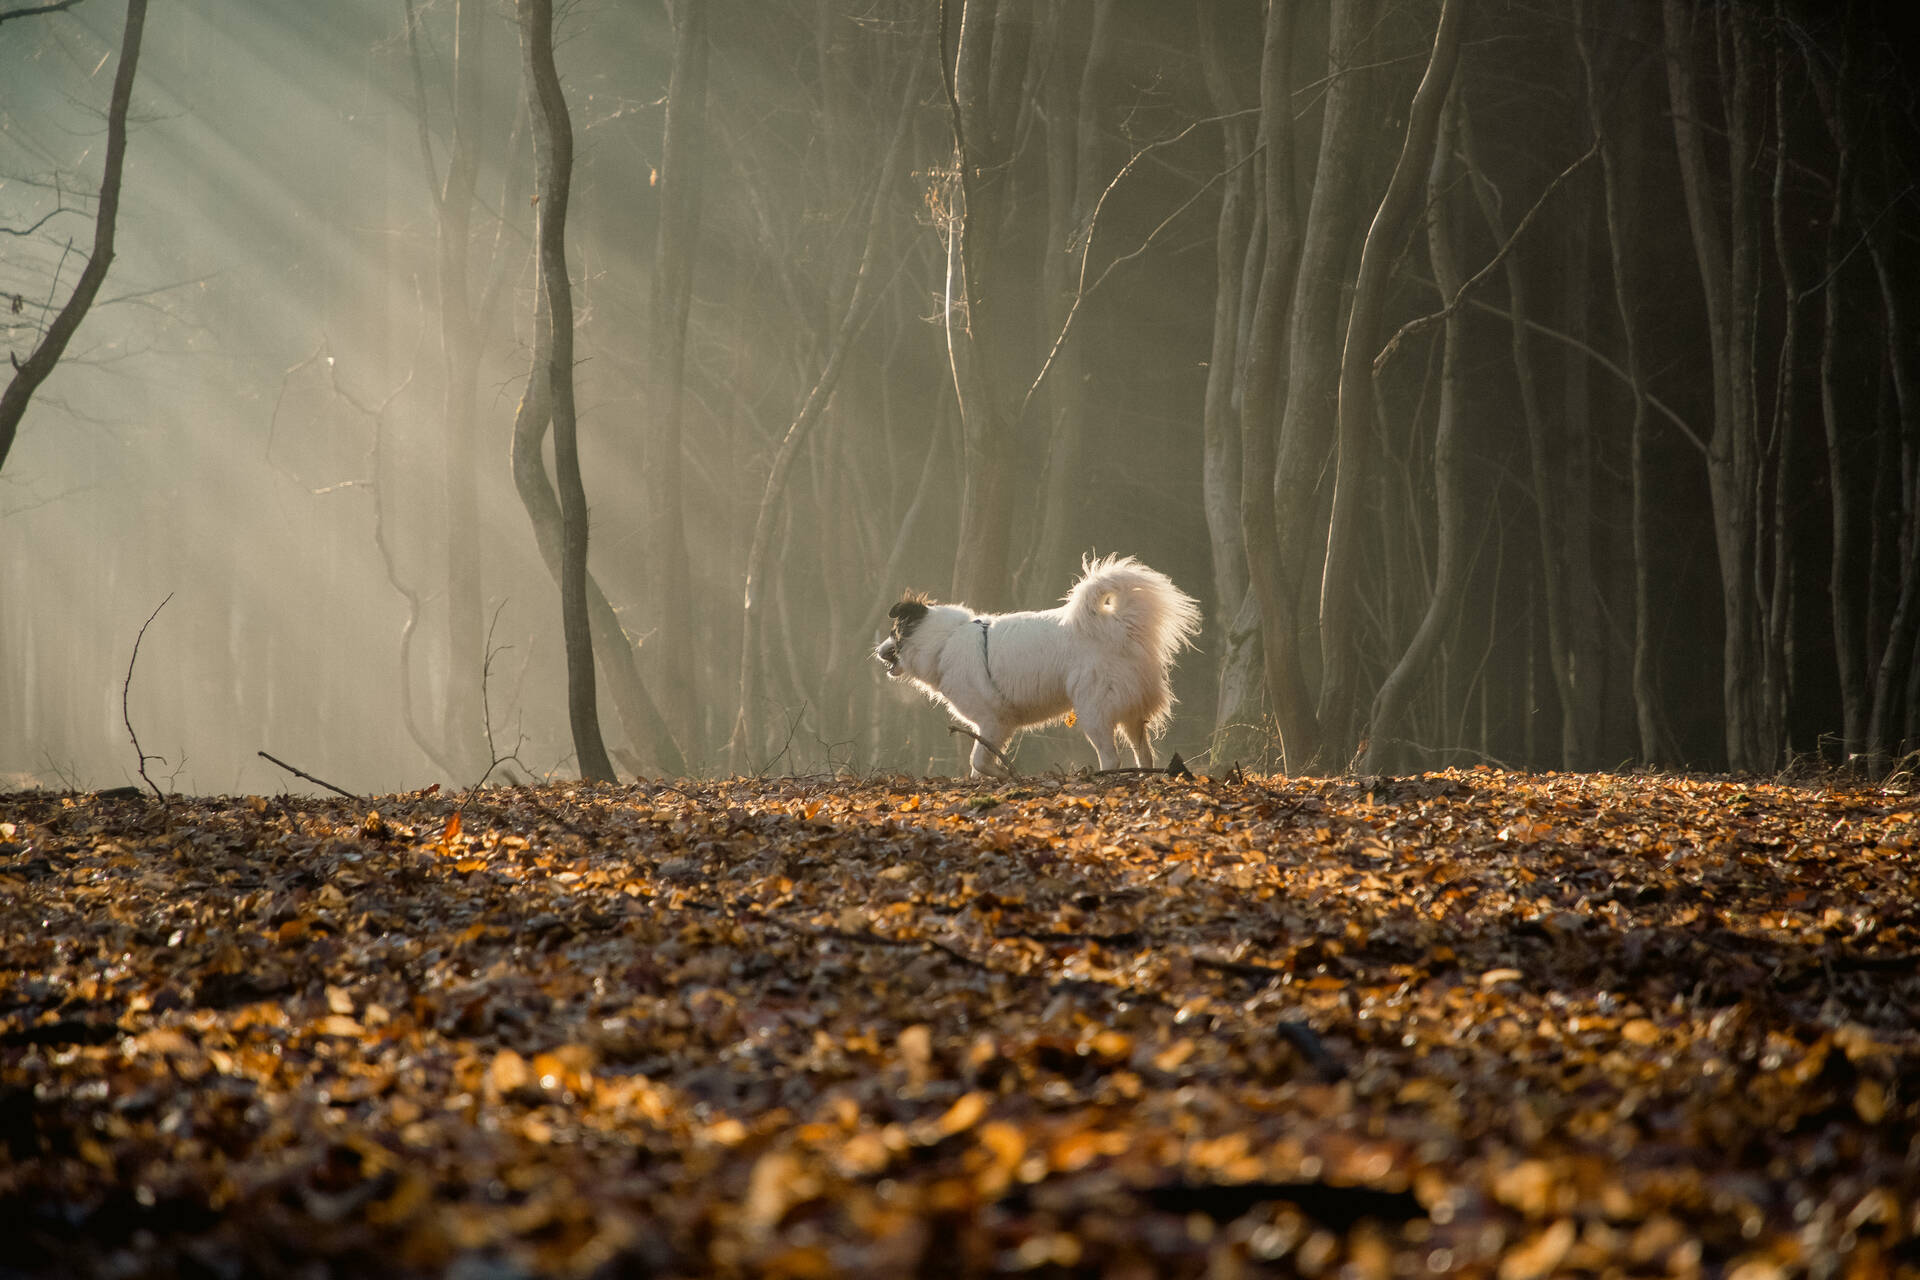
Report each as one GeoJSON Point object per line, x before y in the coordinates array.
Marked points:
{"type": "Point", "coordinates": [1103, 655]}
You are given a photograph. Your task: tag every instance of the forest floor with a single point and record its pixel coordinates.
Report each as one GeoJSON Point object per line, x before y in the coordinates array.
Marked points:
{"type": "Point", "coordinates": [1469, 1022]}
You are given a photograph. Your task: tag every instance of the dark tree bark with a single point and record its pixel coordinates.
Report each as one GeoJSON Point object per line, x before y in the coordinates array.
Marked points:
{"type": "Point", "coordinates": [1341, 580]}
{"type": "Point", "coordinates": [553, 362]}
{"type": "Point", "coordinates": [28, 374]}
{"type": "Point", "coordinates": [682, 176]}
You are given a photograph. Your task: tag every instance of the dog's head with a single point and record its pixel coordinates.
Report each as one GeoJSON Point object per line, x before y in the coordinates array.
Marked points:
{"type": "Point", "coordinates": [903, 617]}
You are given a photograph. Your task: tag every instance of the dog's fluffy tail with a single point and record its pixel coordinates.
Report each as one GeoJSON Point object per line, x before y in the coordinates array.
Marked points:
{"type": "Point", "coordinates": [1124, 604]}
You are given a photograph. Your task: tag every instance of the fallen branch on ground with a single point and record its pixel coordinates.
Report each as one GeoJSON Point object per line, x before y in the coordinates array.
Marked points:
{"type": "Point", "coordinates": [301, 773]}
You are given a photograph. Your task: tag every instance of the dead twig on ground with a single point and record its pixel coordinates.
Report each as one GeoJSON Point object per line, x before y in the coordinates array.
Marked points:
{"type": "Point", "coordinates": [1174, 768]}
{"type": "Point", "coordinates": [126, 687]}
{"type": "Point", "coordinates": [301, 773]}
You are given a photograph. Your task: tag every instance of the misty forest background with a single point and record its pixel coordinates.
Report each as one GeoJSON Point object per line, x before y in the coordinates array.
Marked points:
{"type": "Point", "coordinates": [1529, 383]}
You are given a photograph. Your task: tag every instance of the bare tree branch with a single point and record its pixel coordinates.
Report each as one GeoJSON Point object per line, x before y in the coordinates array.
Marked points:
{"type": "Point", "coordinates": [33, 11]}
{"type": "Point", "coordinates": [31, 372]}
{"type": "Point", "coordinates": [1421, 323]}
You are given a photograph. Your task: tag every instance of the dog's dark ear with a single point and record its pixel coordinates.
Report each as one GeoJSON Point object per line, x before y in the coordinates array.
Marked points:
{"type": "Point", "coordinates": [907, 614]}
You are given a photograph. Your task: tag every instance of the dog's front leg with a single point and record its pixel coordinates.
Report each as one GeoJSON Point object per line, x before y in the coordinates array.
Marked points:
{"type": "Point", "coordinates": [983, 759]}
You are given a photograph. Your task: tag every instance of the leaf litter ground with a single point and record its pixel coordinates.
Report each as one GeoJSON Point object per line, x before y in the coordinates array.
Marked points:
{"type": "Point", "coordinates": [1472, 1022]}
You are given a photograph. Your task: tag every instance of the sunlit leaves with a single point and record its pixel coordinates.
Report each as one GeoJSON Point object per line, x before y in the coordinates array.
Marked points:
{"type": "Point", "coordinates": [1515, 1025]}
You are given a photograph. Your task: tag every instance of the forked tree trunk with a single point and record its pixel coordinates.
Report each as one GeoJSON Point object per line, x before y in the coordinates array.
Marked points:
{"type": "Point", "coordinates": [1449, 469]}
{"type": "Point", "coordinates": [1341, 583]}
{"type": "Point", "coordinates": [1279, 247]}
{"type": "Point", "coordinates": [1308, 383]}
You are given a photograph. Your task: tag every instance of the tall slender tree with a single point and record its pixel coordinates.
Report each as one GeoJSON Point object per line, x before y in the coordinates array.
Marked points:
{"type": "Point", "coordinates": [553, 369]}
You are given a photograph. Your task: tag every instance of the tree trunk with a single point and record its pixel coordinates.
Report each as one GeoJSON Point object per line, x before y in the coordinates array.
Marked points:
{"type": "Point", "coordinates": [1774, 557]}
{"type": "Point", "coordinates": [982, 110]}
{"type": "Point", "coordinates": [1845, 602]}
{"type": "Point", "coordinates": [1073, 187]}
{"type": "Point", "coordinates": [28, 374]}
{"type": "Point", "coordinates": [1341, 579]}
{"type": "Point", "coordinates": [682, 173]}
{"type": "Point", "coordinates": [1620, 171]}
{"type": "Point", "coordinates": [461, 332]}
{"type": "Point", "coordinates": [1449, 467]}
{"type": "Point", "coordinates": [1308, 386]}
{"type": "Point", "coordinates": [1237, 729]}
{"type": "Point", "coordinates": [1886, 716]}
{"type": "Point", "coordinates": [553, 362]}
{"type": "Point", "coordinates": [1578, 657]}
{"type": "Point", "coordinates": [1279, 245]}
{"type": "Point", "coordinates": [1726, 255]}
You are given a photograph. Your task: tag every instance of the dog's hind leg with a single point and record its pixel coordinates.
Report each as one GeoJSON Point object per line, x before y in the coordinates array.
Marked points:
{"type": "Point", "coordinates": [1136, 731]}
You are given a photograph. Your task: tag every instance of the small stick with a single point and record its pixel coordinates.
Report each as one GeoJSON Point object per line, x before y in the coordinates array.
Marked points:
{"type": "Point", "coordinates": [960, 728]}
{"type": "Point", "coordinates": [1175, 768]}
{"type": "Point", "coordinates": [301, 773]}
{"type": "Point", "coordinates": [127, 716]}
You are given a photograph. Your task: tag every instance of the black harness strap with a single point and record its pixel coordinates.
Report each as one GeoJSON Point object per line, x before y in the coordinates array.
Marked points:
{"type": "Point", "coordinates": [987, 661]}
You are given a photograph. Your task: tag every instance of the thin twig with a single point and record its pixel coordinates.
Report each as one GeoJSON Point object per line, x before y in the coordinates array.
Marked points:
{"type": "Point", "coordinates": [495, 759]}
{"type": "Point", "coordinates": [45, 218]}
{"type": "Point", "coordinates": [127, 716]}
{"type": "Point", "coordinates": [301, 773]}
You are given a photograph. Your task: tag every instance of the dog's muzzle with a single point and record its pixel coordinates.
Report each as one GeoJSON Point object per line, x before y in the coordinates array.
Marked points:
{"type": "Point", "coordinates": [889, 653]}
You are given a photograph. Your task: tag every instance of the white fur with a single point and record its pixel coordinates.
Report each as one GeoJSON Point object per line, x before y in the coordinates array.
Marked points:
{"type": "Point", "coordinates": [1104, 655]}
